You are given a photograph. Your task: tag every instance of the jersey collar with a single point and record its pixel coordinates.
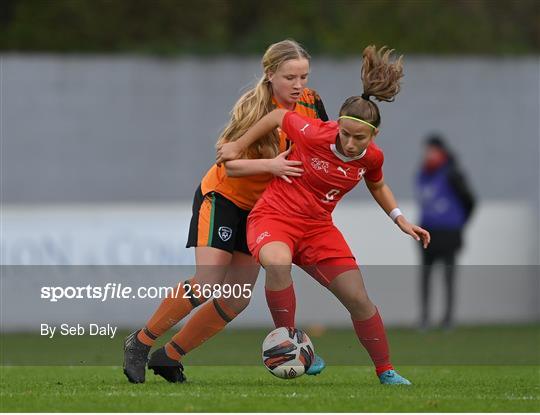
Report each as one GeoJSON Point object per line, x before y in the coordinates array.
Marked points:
{"type": "Point", "coordinates": [343, 157]}
{"type": "Point", "coordinates": [278, 105]}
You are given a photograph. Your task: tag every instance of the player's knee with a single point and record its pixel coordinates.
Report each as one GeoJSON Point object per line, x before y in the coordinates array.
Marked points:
{"type": "Point", "coordinates": [360, 303]}
{"type": "Point", "coordinates": [276, 255]}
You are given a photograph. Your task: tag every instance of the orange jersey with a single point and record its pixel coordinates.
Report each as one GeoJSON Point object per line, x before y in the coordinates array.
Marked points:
{"type": "Point", "coordinates": [245, 191]}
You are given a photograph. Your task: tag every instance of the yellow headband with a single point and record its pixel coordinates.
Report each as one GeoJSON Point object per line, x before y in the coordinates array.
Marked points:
{"type": "Point", "coordinates": [348, 117]}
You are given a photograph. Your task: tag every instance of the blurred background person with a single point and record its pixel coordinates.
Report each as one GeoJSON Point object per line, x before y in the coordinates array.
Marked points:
{"type": "Point", "coordinates": [446, 205]}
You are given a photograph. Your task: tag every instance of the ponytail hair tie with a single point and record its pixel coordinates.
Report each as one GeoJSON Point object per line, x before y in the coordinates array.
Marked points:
{"type": "Point", "coordinates": [365, 96]}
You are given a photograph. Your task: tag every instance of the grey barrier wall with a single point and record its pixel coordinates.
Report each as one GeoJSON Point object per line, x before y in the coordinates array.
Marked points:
{"type": "Point", "coordinates": [111, 129]}
{"type": "Point", "coordinates": [80, 133]}
{"type": "Point", "coordinates": [141, 234]}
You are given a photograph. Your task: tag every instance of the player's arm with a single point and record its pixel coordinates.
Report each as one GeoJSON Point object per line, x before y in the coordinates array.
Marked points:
{"type": "Point", "coordinates": [278, 166]}
{"type": "Point", "coordinates": [383, 195]}
{"type": "Point", "coordinates": [234, 149]}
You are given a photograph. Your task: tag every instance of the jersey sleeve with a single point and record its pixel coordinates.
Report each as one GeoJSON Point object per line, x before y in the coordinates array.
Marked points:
{"type": "Point", "coordinates": [299, 128]}
{"type": "Point", "coordinates": [375, 173]}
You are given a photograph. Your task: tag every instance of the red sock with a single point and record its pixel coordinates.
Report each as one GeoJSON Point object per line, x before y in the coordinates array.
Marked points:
{"type": "Point", "coordinates": [282, 305]}
{"type": "Point", "coordinates": [371, 334]}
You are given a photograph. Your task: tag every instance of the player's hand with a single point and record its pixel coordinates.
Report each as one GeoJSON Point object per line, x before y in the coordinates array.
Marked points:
{"type": "Point", "coordinates": [228, 151]}
{"type": "Point", "coordinates": [281, 167]}
{"type": "Point", "coordinates": [415, 231]}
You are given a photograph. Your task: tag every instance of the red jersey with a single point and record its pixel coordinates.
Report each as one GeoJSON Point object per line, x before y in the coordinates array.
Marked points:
{"type": "Point", "coordinates": [328, 174]}
{"type": "Point", "coordinates": [245, 191]}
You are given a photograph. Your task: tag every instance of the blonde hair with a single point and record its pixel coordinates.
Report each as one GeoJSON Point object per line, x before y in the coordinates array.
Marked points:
{"type": "Point", "coordinates": [380, 79]}
{"type": "Point", "coordinates": [257, 102]}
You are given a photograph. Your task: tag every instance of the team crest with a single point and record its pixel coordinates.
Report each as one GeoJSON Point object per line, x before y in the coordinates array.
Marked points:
{"type": "Point", "coordinates": [361, 172]}
{"type": "Point", "coordinates": [319, 164]}
{"type": "Point", "coordinates": [225, 233]}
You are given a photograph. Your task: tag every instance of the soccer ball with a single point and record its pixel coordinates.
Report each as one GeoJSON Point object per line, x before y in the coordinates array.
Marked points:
{"type": "Point", "coordinates": [287, 352]}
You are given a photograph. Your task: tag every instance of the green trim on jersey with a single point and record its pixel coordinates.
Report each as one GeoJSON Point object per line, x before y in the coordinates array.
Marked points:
{"type": "Point", "coordinates": [308, 105]}
{"type": "Point", "coordinates": [212, 212]}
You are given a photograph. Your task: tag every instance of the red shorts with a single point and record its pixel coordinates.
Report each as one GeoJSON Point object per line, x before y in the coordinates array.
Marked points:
{"type": "Point", "coordinates": [317, 246]}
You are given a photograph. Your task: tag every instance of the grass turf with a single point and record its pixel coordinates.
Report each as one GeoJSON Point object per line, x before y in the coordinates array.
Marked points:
{"type": "Point", "coordinates": [472, 345]}
{"type": "Point", "coordinates": [253, 389]}
{"type": "Point", "coordinates": [471, 369]}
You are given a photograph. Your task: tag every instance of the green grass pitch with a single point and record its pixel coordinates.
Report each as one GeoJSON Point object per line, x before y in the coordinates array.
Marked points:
{"type": "Point", "coordinates": [252, 389]}
{"type": "Point", "coordinates": [479, 369]}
